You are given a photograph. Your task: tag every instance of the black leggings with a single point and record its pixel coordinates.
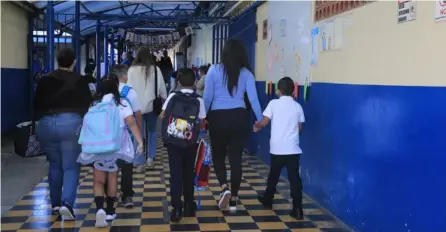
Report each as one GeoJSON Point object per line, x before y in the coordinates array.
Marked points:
{"type": "Point", "coordinates": [229, 131]}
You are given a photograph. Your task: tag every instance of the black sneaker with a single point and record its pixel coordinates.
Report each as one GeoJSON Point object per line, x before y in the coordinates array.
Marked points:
{"type": "Point", "coordinates": [67, 213]}
{"type": "Point", "coordinates": [189, 209]}
{"type": "Point", "coordinates": [266, 203]}
{"type": "Point", "coordinates": [233, 204]}
{"type": "Point", "coordinates": [175, 215]}
{"type": "Point", "coordinates": [225, 196]}
{"type": "Point", "coordinates": [127, 202]}
{"type": "Point", "coordinates": [297, 213]}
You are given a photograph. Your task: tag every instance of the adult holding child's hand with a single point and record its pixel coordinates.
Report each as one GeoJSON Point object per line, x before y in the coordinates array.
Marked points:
{"type": "Point", "coordinates": [226, 84]}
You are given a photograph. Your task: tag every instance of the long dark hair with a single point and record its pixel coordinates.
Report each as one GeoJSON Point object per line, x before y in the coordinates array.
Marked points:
{"type": "Point", "coordinates": [144, 57]}
{"type": "Point", "coordinates": [234, 58]}
{"type": "Point", "coordinates": [109, 84]}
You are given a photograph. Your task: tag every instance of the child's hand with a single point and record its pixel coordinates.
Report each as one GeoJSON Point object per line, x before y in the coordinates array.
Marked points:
{"type": "Point", "coordinates": [139, 149]}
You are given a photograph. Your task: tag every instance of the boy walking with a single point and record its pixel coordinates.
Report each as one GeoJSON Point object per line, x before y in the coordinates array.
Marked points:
{"type": "Point", "coordinates": [286, 116]}
{"type": "Point", "coordinates": [183, 116]}
{"type": "Point", "coordinates": [126, 92]}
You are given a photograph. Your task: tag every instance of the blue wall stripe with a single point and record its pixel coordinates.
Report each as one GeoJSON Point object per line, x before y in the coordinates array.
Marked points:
{"type": "Point", "coordinates": [374, 155]}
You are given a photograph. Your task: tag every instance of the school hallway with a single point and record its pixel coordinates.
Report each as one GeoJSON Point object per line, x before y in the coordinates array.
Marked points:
{"type": "Point", "coordinates": [151, 209]}
{"type": "Point", "coordinates": [369, 76]}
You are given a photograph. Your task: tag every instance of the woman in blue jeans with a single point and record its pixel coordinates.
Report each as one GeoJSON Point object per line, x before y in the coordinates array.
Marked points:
{"type": "Point", "coordinates": [62, 98]}
{"type": "Point", "coordinates": [141, 77]}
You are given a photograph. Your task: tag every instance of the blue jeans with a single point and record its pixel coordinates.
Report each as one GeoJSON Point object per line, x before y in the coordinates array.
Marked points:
{"type": "Point", "coordinates": [59, 138]}
{"type": "Point", "coordinates": [149, 130]}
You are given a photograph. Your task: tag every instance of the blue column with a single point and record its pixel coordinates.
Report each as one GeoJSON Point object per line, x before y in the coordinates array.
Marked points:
{"type": "Point", "coordinates": [87, 49]}
{"type": "Point", "coordinates": [112, 48]}
{"type": "Point", "coordinates": [77, 36]}
{"type": "Point", "coordinates": [105, 50]}
{"type": "Point", "coordinates": [50, 35]}
{"type": "Point", "coordinates": [213, 43]}
{"type": "Point", "coordinates": [98, 52]}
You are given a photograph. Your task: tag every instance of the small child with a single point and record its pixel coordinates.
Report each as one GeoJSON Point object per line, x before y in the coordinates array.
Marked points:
{"type": "Point", "coordinates": [183, 115]}
{"type": "Point", "coordinates": [286, 116]}
{"type": "Point", "coordinates": [128, 93]}
{"type": "Point", "coordinates": [105, 164]}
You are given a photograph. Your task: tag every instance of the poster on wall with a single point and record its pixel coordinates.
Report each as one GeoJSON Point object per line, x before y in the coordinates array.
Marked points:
{"type": "Point", "coordinates": [326, 36]}
{"type": "Point", "coordinates": [283, 28]}
{"type": "Point", "coordinates": [265, 29]}
{"type": "Point", "coordinates": [440, 10]}
{"type": "Point", "coordinates": [314, 45]}
{"type": "Point", "coordinates": [406, 11]}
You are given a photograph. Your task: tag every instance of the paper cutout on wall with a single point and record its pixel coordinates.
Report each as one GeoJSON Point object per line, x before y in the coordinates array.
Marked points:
{"type": "Point", "coordinates": [283, 28]}
{"type": "Point", "coordinates": [314, 45]}
{"type": "Point", "coordinates": [270, 34]}
{"type": "Point", "coordinates": [327, 36]}
{"type": "Point", "coordinates": [276, 52]}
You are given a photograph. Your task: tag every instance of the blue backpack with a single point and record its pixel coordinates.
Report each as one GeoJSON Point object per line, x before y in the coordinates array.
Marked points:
{"type": "Point", "coordinates": [101, 130]}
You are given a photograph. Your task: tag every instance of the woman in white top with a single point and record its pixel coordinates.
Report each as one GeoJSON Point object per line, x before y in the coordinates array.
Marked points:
{"type": "Point", "coordinates": [141, 77]}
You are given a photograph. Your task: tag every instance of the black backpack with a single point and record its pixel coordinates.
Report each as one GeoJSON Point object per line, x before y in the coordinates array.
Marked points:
{"type": "Point", "coordinates": [181, 125]}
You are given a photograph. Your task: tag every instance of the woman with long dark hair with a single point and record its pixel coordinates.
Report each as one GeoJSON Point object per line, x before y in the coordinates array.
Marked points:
{"type": "Point", "coordinates": [141, 77]}
{"type": "Point", "coordinates": [226, 85]}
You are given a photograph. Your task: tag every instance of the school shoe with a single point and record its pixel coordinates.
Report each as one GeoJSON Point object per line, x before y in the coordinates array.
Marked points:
{"type": "Point", "coordinates": [127, 202]}
{"type": "Point", "coordinates": [233, 204]}
{"type": "Point", "coordinates": [67, 213]}
{"type": "Point", "coordinates": [225, 196]}
{"type": "Point", "coordinates": [175, 215]}
{"type": "Point", "coordinates": [297, 213]}
{"type": "Point", "coordinates": [265, 202]}
{"type": "Point", "coordinates": [189, 209]}
{"type": "Point", "coordinates": [101, 220]}
{"type": "Point", "coordinates": [110, 217]}
{"type": "Point", "coordinates": [55, 210]}
{"type": "Point", "coordinates": [149, 162]}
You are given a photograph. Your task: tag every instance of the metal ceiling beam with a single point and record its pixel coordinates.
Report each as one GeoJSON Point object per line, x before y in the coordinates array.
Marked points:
{"type": "Point", "coordinates": [179, 18]}
{"type": "Point", "coordinates": [122, 8]}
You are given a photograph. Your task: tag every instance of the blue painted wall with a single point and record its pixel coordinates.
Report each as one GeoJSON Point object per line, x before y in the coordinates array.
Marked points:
{"type": "Point", "coordinates": [375, 156]}
{"type": "Point", "coordinates": [15, 97]}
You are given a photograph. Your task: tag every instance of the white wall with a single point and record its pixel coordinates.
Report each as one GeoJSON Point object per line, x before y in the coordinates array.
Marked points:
{"type": "Point", "coordinates": [14, 33]}
{"type": "Point", "coordinates": [201, 45]}
{"type": "Point", "coordinates": [376, 47]}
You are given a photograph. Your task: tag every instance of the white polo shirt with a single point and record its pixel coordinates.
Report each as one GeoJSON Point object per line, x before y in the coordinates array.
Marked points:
{"type": "Point", "coordinates": [285, 115]}
{"type": "Point", "coordinates": [132, 97]}
{"type": "Point", "coordinates": [201, 114]}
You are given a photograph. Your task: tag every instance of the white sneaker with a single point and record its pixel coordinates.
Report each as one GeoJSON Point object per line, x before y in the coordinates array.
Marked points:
{"type": "Point", "coordinates": [110, 217]}
{"type": "Point", "coordinates": [149, 162]}
{"type": "Point", "coordinates": [225, 196]}
{"type": "Point", "coordinates": [101, 219]}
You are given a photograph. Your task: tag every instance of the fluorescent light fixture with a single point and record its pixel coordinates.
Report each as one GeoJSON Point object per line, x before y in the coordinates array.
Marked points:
{"type": "Point", "coordinates": [154, 29]}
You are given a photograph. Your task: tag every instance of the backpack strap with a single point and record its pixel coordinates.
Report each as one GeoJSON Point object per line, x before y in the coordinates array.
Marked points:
{"type": "Point", "coordinates": [125, 91]}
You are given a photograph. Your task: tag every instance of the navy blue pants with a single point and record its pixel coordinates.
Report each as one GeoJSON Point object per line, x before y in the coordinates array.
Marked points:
{"type": "Point", "coordinates": [182, 164]}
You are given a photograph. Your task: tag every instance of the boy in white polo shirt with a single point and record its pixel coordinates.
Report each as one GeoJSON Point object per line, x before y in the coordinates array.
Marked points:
{"type": "Point", "coordinates": [286, 116]}
{"type": "Point", "coordinates": [120, 71]}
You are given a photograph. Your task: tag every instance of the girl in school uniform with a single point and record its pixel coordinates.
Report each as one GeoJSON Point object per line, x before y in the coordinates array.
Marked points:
{"type": "Point", "coordinates": [106, 165]}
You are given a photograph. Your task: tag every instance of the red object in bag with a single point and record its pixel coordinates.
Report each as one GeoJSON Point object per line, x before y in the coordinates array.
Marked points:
{"type": "Point", "coordinates": [202, 168]}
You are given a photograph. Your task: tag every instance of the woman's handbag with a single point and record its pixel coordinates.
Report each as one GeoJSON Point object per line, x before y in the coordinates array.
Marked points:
{"type": "Point", "coordinates": [157, 102]}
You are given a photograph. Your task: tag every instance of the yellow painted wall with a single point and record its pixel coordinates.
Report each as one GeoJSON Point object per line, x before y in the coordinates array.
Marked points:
{"type": "Point", "coordinates": [261, 45]}
{"type": "Point", "coordinates": [378, 50]}
{"type": "Point", "coordinates": [14, 30]}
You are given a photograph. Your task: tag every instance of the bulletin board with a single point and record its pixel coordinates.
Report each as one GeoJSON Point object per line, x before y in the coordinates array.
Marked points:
{"type": "Point", "coordinates": [289, 40]}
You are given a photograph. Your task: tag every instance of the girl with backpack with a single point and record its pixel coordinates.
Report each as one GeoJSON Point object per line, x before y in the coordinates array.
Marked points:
{"type": "Point", "coordinates": [106, 143]}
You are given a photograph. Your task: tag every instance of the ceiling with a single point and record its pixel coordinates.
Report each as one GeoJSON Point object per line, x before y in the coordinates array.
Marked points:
{"type": "Point", "coordinates": [131, 14]}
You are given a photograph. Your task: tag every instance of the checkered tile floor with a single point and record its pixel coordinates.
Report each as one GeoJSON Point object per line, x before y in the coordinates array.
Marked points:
{"type": "Point", "coordinates": [151, 211]}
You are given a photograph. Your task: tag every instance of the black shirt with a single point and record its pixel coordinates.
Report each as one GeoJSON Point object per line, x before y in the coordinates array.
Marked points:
{"type": "Point", "coordinates": [62, 91]}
